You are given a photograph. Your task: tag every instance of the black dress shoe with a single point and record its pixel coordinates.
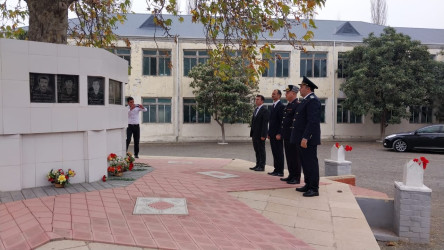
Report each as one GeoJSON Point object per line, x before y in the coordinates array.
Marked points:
{"type": "Point", "coordinates": [136, 156]}
{"type": "Point", "coordinates": [285, 179]}
{"type": "Point", "coordinates": [311, 193]}
{"type": "Point", "coordinates": [259, 169]}
{"type": "Point", "coordinates": [276, 174]}
{"type": "Point", "coordinates": [253, 168]}
{"type": "Point", "coordinates": [293, 181]}
{"type": "Point", "coordinates": [272, 173]}
{"type": "Point", "coordinates": [302, 189]}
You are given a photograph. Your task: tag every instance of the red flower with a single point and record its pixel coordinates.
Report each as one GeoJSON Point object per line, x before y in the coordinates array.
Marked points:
{"type": "Point", "coordinates": [131, 165]}
{"type": "Point", "coordinates": [337, 145]}
{"type": "Point", "coordinates": [104, 178]}
{"type": "Point", "coordinates": [348, 148]}
{"type": "Point", "coordinates": [424, 162]}
{"type": "Point", "coordinates": [415, 160]}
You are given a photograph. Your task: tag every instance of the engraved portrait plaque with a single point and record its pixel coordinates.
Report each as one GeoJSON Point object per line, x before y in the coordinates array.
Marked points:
{"type": "Point", "coordinates": [42, 87]}
{"type": "Point", "coordinates": [96, 90]}
{"type": "Point", "coordinates": [67, 89]}
{"type": "Point", "coordinates": [115, 92]}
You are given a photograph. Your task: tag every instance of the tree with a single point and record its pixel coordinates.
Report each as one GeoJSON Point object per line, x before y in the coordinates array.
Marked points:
{"type": "Point", "coordinates": [246, 25]}
{"type": "Point", "coordinates": [386, 76]}
{"type": "Point", "coordinates": [48, 20]}
{"type": "Point", "coordinates": [225, 95]}
{"type": "Point", "coordinates": [436, 90]}
{"type": "Point", "coordinates": [379, 12]}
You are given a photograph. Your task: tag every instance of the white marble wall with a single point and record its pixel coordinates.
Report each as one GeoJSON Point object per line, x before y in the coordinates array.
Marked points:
{"type": "Point", "coordinates": [35, 137]}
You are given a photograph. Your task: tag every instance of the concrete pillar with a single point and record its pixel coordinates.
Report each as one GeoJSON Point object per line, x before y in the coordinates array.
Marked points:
{"type": "Point", "coordinates": [335, 168]}
{"type": "Point", "coordinates": [412, 213]}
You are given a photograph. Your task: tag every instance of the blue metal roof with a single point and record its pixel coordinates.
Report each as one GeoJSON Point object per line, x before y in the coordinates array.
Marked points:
{"type": "Point", "coordinates": [140, 25]}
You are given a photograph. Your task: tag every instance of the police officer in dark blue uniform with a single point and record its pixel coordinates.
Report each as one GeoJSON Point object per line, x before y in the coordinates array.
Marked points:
{"type": "Point", "coordinates": [291, 151]}
{"type": "Point", "coordinates": [307, 135]}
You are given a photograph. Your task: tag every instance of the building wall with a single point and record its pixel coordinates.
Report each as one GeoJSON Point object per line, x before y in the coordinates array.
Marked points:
{"type": "Point", "coordinates": [38, 137]}
{"type": "Point", "coordinates": [177, 87]}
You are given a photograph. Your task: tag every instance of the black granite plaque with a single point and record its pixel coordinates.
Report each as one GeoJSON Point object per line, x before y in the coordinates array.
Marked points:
{"type": "Point", "coordinates": [67, 89]}
{"type": "Point", "coordinates": [115, 92]}
{"type": "Point", "coordinates": [42, 87]}
{"type": "Point", "coordinates": [96, 87]}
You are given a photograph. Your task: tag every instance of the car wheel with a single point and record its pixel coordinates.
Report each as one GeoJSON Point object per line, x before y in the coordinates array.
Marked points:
{"type": "Point", "coordinates": [400, 146]}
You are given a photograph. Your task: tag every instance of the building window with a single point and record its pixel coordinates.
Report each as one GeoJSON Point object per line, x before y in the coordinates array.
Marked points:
{"type": "Point", "coordinates": [193, 57]}
{"type": "Point", "coordinates": [159, 110]}
{"type": "Point", "coordinates": [156, 62]}
{"type": "Point", "coordinates": [192, 115]}
{"type": "Point", "coordinates": [322, 110]}
{"type": "Point", "coordinates": [313, 64]}
{"type": "Point", "coordinates": [124, 53]}
{"type": "Point", "coordinates": [346, 116]}
{"type": "Point", "coordinates": [342, 64]}
{"type": "Point", "coordinates": [421, 114]}
{"type": "Point", "coordinates": [278, 65]}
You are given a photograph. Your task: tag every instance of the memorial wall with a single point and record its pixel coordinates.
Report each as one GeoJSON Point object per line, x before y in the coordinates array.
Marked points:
{"type": "Point", "coordinates": [60, 107]}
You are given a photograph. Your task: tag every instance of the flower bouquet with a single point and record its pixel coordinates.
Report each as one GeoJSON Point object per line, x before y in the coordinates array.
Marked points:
{"type": "Point", "coordinates": [116, 171]}
{"type": "Point", "coordinates": [130, 160]}
{"type": "Point", "coordinates": [117, 161]}
{"type": "Point", "coordinates": [60, 177]}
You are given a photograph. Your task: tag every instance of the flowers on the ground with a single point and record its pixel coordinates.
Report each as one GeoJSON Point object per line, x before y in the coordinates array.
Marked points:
{"type": "Point", "coordinates": [130, 160]}
{"type": "Point", "coordinates": [116, 161]}
{"type": "Point", "coordinates": [104, 178]}
{"type": "Point", "coordinates": [60, 176]}
{"type": "Point", "coordinates": [422, 161]}
{"type": "Point", "coordinates": [115, 170]}
{"type": "Point", "coordinates": [347, 147]}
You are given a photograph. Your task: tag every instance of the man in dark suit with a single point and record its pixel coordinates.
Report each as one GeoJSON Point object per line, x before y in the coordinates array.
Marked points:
{"type": "Point", "coordinates": [274, 133]}
{"type": "Point", "coordinates": [307, 134]}
{"type": "Point", "coordinates": [258, 132]}
{"type": "Point", "coordinates": [291, 150]}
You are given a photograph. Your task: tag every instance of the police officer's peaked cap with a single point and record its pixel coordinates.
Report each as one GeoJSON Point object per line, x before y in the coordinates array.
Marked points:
{"type": "Point", "coordinates": [306, 81]}
{"type": "Point", "coordinates": [292, 88]}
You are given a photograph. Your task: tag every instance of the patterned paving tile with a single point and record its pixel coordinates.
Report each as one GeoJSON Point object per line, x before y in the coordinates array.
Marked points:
{"type": "Point", "coordinates": [155, 205]}
{"type": "Point", "coordinates": [217, 174]}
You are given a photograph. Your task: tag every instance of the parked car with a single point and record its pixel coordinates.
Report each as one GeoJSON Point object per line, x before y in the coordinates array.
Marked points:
{"type": "Point", "coordinates": [426, 138]}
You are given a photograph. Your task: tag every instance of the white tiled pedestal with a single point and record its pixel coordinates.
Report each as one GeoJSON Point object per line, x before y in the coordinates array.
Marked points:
{"type": "Point", "coordinates": [38, 137]}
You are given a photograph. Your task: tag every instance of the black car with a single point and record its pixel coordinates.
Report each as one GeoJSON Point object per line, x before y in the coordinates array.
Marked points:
{"type": "Point", "coordinates": [426, 138]}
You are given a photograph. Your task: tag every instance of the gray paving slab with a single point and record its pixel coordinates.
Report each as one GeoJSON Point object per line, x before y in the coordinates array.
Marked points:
{"type": "Point", "coordinates": [79, 187]}
{"type": "Point", "coordinates": [28, 193]}
{"type": "Point", "coordinates": [6, 199]}
{"type": "Point", "coordinates": [87, 186]}
{"type": "Point", "coordinates": [39, 192]}
{"type": "Point", "coordinates": [17, 195]}
{"type": "Point", "coordinates": [49, 190]}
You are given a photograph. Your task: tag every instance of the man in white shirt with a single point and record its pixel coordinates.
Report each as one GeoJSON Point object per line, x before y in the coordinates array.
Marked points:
{"type": "Point", "coordinates": [133, 124]}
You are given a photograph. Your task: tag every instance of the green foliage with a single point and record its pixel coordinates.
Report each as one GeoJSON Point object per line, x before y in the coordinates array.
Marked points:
{"type": "Point", "coordinates": [436, 90]}
{"type": "Point", "coordinates": [12, 16]}
{"type": "Point", "coordinates": [240, 25]}
{"type": "Point", "coordinates": [224, 88]}
{"type": "Point", "coordinates": [387, 75]}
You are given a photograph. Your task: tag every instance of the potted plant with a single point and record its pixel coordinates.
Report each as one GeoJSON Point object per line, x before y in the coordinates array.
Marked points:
{"type": "Point", "coordinates": [60, 177]}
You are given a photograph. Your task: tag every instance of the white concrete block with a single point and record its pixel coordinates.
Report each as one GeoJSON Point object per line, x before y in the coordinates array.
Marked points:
{"type": "Point", "coordinates": [10, 179]}
{"type": "Point", "coordinates": [79, 167]}
{"type": "Point", "coordinates": [115, 142]}
{"type": "Point", "coordinates": [413, 174]}
{"type": "Point", "coordinates": [91, 67]}
{"type": "Point", "coordinates": [41, 172]}
{"type": "Point", "coordinates": [43, 64]}
{"type": "Point", "coordinates": [68, 65]}
{"type": "Point", "coordinates": [15, 93]}
{"type": "Point", "coordinates": [16, 120]}
{"type": "Point", "coordinates": [10, 146]}
{"type": "Point", "coordinates": [28, 149]}
{"type": "Point", "coordinates": [97, 168]}
{"type": "Point", "coordinates": [96, 144]}
{"type": "Point", "coordinates": [64, 118]}
{"type": "Point", "coordinates": [15, 67]}
{"type": "Point", "coordinates": [73, 146]}
{"type": "Point", "coordinates": [12, 46]}
{"type": "Point", "coordinates": [49, 148]}
{"type": "Point", "coordinates": [117, 116]}
{"type": "Point", "coordinates": [92, 118]}
{"type": "Point", "coordinates": [41, 120]}
{"type": "Point", "coordinates": [45, 49]}
{"type": "Point", "coordinates": [1, 105]}
{"type": "Point", "coordinates": [28, 175]}
{"type": "Point", "coordinates": [90, 53]}
{"type": "Point", "coordinates": [68, 50]}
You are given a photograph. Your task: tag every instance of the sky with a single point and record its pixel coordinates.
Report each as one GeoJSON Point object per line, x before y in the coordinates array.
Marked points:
{"type": "Point", "coordinates": [400, 13]}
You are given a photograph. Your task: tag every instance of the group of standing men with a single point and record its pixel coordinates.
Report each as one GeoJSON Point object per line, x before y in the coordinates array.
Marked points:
{"type": "Point", "coordinates": [295, 128]}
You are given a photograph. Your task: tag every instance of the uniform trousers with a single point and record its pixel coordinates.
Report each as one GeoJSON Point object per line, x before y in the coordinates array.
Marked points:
{"type": "Point", "coordinates": [310, 166]}
{"type": "Point", "coordinates": [278, 155]}
{"type": "Point", "coordinates": [292, 156]}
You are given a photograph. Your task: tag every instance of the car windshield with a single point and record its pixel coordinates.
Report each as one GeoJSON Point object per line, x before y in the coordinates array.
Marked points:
{"type": "Point", "coordinates": [431, 129]}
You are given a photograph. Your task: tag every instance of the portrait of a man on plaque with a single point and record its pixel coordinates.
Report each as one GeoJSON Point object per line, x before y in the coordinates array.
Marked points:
{"type": "Point", "coordinates": [42, 87]}
{"type": "Point", "coordinates": [96, 89]}
{"type": "Point", "coordinates": [67, 89]}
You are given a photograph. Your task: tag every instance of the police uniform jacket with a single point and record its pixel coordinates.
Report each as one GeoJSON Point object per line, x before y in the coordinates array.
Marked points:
{"type": "Point", "coordinates": [287, 119]}
{"type": "Point", "coordinates": [306, 124]}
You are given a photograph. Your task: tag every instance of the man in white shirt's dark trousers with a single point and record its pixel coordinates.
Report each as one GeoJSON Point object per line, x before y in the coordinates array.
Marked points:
{"type": "Point", "coordinates": [133, 124]}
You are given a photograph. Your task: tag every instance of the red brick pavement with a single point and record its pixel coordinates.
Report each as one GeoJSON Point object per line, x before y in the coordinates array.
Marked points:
{"type": "Point", "coordinates": [216, 220]}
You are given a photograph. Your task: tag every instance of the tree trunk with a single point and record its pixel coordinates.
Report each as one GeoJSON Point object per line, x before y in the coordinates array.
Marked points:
{"type": "Point", "coordinates": [48, 20]}
{"type": "Point", "coordinates": [222, 127]}
{"type": "Point", "coordinates": [383, 122]}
